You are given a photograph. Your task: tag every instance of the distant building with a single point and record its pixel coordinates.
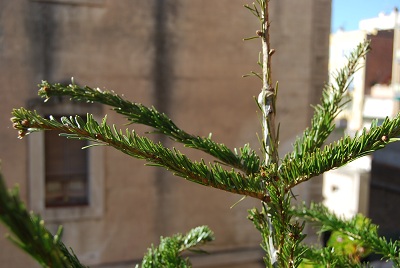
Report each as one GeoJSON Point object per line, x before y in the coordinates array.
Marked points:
{"type": "Point", "coordinates": [184, 57]}
{"type": "Point", "coordinates": [371, 184]}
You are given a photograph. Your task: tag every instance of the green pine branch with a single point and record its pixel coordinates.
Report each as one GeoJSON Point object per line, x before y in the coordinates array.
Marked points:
{"type": "Point", "coordinates": [292, 171]}
{"type": "Point", "coordinates": [30, 234]}
{"type": "Point", "coordinates": [212, 175]}
{"type": "Point", "coordinates": [367, 232]}
{"type": "Point", "coordinates": [332, 102]}
{"type": "Point", "coordinates": [339, 153]}
{"type": "Point", "coordinates": [168, 253]}
{"type": "Point", "coordinates": [247, 160]}
{"type": "Point", "coordinates": [328, 257]}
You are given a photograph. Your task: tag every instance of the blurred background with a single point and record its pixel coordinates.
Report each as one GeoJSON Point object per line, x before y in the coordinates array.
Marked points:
{"type": "Point", "coordinates": [187, 59]}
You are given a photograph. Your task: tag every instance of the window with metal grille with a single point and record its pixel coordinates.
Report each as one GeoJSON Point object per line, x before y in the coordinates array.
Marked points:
{"type": "Point", "coordinates": [66, 171]}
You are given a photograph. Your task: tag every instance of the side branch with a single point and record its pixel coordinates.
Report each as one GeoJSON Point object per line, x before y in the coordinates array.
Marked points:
{"type": "Point", "coordinates": [366, 231]}
{"type": "Point", "coordinates": [248, 161]}
{"type": "Point", "coordinates": [169, 252]}
{"type": "Point", "coordinates": [142, 148]}
{"type": "Point", "coordinates": [331, 104]}
{"type": "Point", "coordinates": [30, 234]}
{"type": "Point", "coordinates": [339, 153]}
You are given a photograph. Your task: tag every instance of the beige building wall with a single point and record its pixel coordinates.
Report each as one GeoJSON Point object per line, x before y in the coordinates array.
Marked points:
{"type": "Point", "coordinates": [184, 57]}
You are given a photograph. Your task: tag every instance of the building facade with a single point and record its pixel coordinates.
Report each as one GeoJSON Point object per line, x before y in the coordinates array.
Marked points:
{"type": "Point", "coordinates": [184, 57]}
{"type": "Point", "coordinates": [370, 185]}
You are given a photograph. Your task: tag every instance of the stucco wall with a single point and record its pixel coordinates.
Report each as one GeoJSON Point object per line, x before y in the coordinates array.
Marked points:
{"type": "Point", "coordinates": [184, 57]}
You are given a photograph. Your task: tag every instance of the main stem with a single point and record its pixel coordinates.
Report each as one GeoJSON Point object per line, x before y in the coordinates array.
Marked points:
{"type": "Point", "coordinates": [266, 101]}
{"type": "Point", "coordinates": [267, 96]}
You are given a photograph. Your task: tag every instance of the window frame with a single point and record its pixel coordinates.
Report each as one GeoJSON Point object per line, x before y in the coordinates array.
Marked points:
{"type": "Point", "coordinates": [36, 167]}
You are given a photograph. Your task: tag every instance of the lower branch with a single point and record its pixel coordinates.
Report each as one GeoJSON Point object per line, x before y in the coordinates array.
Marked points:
{"type": "Point", "coordinates": [142, 148]}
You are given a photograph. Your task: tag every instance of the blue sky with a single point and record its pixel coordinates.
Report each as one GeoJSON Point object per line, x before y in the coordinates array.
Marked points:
{"type": "Point", "coordinates": [347, 13]}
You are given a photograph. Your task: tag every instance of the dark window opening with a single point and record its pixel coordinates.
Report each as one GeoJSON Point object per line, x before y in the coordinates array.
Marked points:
{"type": "Point", "coordinates": [66, 171]}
